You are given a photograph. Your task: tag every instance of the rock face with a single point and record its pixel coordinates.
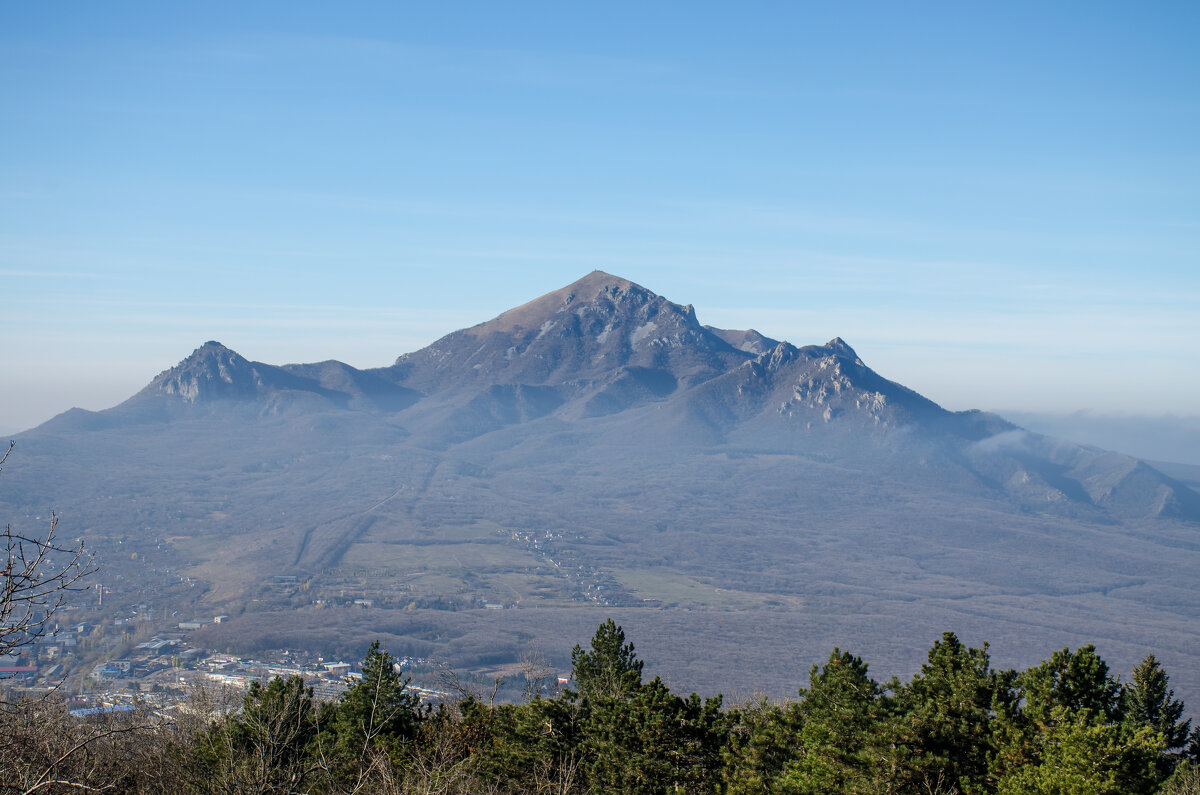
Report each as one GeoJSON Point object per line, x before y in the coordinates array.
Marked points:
{"type": "Point", "coordinates": [212, 372]}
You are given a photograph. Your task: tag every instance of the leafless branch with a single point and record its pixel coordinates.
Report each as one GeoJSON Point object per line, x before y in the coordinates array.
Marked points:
{"type": "Point", "coordinates": [44, 779]}
{"type": "Point", "coordinates": [34, 582]}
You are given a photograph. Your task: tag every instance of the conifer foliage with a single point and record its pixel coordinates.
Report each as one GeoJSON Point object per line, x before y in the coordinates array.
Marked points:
{"type": "Point", "coordinates": [1148, 701]}
{"type": "Point", "coordinates": [1066, 726]}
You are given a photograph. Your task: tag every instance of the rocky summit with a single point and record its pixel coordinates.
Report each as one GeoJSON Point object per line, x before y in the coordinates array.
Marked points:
{"type": "Point", "coordinates": [598, 451]}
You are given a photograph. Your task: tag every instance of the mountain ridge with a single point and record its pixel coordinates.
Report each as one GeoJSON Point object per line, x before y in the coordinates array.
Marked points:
{"type": "Point", "coordinates": [603, 346]}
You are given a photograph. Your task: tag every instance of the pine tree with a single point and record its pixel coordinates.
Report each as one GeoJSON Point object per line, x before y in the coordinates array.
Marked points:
{"type": "Point", "coordinates": [1069, 735]}
{"type": "Point", "coordinates": [762, 739]}
{"type": "Point", "coordinates": [1077, 680]}
{"type": "Point", "coordinates": [1148, 701]}
{"type": "Point", "coordinates": [1080, 752]}
{"type": "Point", "coordinates": [839, 714]}
{"type": "Point", "coordinates": [943, 717]}
{"type": "Point", "coordinates": [638, 737]}
{"type": "Point", "coordinates": [268, 748]}
{"type": "Point", "coordinates": [378, 712]}
{"type": "Point", "coordinates": [610, 670]}
{"type": "Point", "coordinates": [531, 746]}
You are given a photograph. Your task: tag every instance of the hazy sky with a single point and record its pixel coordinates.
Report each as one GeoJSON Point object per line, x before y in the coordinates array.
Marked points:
{"type": "Point", "coordinates": [995, 204]}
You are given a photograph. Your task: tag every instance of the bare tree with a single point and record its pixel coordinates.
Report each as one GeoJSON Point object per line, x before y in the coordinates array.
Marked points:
{"type": "Point", "coordinates": [449, 680]}
{"type": "Point", "coordinates": [43, 747]}
{"type": "Point", "coordinates": [46, 749]}
{"type": "Point", "coordinates": [1185, 781]}
{"type": "Point", "coordinates": [38, 573]}
{"type": "Point", "coordinates": [540, 676]}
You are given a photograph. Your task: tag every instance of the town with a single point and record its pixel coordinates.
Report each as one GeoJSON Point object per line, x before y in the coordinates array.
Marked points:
{"type": "Point", "coordinates": [97, 668]}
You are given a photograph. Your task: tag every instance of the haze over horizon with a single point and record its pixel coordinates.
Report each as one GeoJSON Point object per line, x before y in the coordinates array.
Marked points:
{"type": "Point", "coordinates": [995, 207]}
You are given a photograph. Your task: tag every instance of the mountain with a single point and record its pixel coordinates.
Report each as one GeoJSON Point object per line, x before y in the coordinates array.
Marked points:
{"type": "Point", "coordinates": [598, 450]}
{"type": "Point", "coordinates": [214, 375]}
{"type": "Point", "coordinates": [579, 339]}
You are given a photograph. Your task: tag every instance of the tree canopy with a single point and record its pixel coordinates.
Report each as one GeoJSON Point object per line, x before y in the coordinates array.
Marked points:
{"type": "Point", "coordinates": [1066, 726]}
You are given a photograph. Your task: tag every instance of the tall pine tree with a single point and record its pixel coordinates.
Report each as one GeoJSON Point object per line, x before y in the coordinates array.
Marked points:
{"type": "Point", "coordinates": [1148, 701]}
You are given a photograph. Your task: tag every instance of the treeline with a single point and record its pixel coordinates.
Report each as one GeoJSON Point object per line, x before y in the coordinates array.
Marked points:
{"type": "Point", "coordinates": [1067, 726]}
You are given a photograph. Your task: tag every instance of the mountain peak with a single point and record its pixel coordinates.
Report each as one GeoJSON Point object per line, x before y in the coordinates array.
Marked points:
{"type": "Point", "coordinates": [584, 334]}
{"type": "Point", "coordinates": [212, 370]}
{"type": "Point", "coordinates": [839, 346]}
{"type": "Point", "coordinates": [211, 353]}
{"type": "Point", "coordinates": [592, 287]}
{"type": "Point", "coordinates": [600, 280]}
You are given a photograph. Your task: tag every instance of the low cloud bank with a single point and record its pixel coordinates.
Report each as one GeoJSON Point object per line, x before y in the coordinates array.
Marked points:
{"type": "Point", "coordinates": [1168, 438]}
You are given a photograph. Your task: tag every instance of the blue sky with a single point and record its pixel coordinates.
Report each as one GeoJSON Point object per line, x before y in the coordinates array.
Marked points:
{"type": "Point", "coordinates": [996, 204]}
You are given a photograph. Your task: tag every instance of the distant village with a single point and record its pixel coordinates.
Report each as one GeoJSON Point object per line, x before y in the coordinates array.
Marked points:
{"type": "Point", "coordinates": [163, 670]}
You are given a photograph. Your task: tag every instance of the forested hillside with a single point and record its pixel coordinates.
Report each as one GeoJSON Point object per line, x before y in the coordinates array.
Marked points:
{"type": "Point", "coordinates": [1066, 725]}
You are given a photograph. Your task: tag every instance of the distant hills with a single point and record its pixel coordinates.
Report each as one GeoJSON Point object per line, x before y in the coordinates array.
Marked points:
{"type": "Point", "coordinates": [598, 449]}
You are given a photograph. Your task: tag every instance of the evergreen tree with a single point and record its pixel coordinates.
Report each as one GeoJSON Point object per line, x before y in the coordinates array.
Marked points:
{"type": "Point", "coordinates": [1148, 701]}
{"type": "Point", "coordinates": [376, 713]}
{"type": "Point", "coordinates": [762, 739]}
{"type": "Point", "coordinates": [268, 749]}
{"type": "Point", "coordinates": [1074, 680]}
{"type": "Point", "coordinates": [610, 670]}
{"type": "Point", "coordinates": [1063, 727]}
{"type": "Point", "coordinates": [1068, 735]}
{"type": "Point", "coordinates": [637, 737]}
{"type": "Point", "coordinates": [839, 713]}
{"type": "Point", "coordinates": [1080, 753]}
{"type": "Point", "coordinates": [941, 727]}
{"type": "Point", "coordinates": [653, 742]}
{"type": "Point", "coordinates": [531, 745]}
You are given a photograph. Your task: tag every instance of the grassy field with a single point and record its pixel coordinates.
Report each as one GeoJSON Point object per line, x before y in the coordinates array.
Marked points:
{"type": "Point", "coordinates": [674, 589]}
